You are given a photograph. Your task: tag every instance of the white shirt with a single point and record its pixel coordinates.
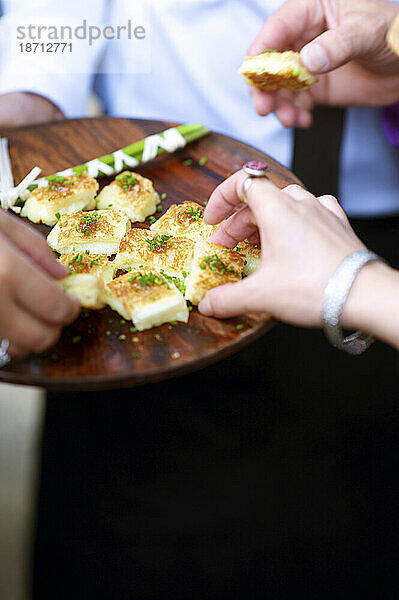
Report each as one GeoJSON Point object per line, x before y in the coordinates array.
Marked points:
{"type": "Point", "coordinates": [194, 48]}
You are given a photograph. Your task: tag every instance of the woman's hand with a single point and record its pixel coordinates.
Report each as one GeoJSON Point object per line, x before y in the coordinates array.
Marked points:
{"type": "Point", "coordinates": [33, 308]}
{"type": "Point", "coordinates": [18, 109]}
{"type": "Point", "coordinates": [303, 240]}
{"type": "Point", "coordinates": [344, 42]}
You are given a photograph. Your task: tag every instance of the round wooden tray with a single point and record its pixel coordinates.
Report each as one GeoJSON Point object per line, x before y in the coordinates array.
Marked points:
{"type": "Point", "coordinates": [101, 359]}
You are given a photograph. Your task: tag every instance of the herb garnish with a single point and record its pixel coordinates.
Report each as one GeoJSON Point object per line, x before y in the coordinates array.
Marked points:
{"type": "Point", "coordinates": [57, 182]}
{"type": "Point", "coordinates": [178, 282]}
{"type": "Point", "coordinates": [217, 266]}
{"type": "Point", "coordinates": [147, 280]}
{"type": "Point", "coordinates": [88, 223]}
{"type": "Point", "coordinates": [190, 214]}
{"type": "Point", "coordinates": [126, 181]}
{"type": "Point", "coordinates": [76, 263]}
{"type": "Point", "coordinates": [158, 243]}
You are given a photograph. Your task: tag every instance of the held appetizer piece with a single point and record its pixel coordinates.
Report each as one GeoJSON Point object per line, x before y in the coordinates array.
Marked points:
{"type": "Point", "coordinates": [212, 266]}
{"type": "Point", "coordinates": [89, 273]}
{"type": "Point", "coordinates": [393, 36]}
{"type": "Point", "coordinates": [252, 255]}
{"type": "Point", "coordinates": [273, 70]}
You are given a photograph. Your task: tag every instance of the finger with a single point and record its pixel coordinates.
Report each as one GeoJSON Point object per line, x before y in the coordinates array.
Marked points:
{"type": "Point", "coordinates": [336, 47]}
{"type": "Point", "coordinates": [333, 205]}
{"type": "Point", "coordinates": [254, 238]}
{"type": "Point", "coordinates": [304, 100]}
{"type": "Point", "coordinates": [26, 334]}
{"type": "Point", "coordinates": [236, 228]}
{"type": "Point", "coordinates": [297, 192]}
{"type": "Point", "coordinates": [286, 114]}
{"type": "Point", "coordinates": [304, 119]}
{"type": "Point", "coordinates": [263, 102]}
{"type": "Point", "coordinates": [292, 22]}
{"type": "Point", "coordinates": [233, 299]}
{"type": "Point", "coordinates": [264, 199]}
{"type": "Point", "coordinates": [39, 295]}
{"type": "Point", "coordinates": [32, 244]}
{"type": "Point", "coordinates": [225, 199]}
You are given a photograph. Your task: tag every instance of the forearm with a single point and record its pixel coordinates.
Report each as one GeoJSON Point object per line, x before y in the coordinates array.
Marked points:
{"type": "Point", "coordinates": [373, 303]}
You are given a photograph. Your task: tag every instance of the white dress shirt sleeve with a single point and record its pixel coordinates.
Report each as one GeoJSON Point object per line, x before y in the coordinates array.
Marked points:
{"type": "Point", "coordinates": [66, 81]}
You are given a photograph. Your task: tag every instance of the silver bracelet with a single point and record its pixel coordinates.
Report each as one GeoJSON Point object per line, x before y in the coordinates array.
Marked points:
{"type": "Point", "coordinates": [335, 295]}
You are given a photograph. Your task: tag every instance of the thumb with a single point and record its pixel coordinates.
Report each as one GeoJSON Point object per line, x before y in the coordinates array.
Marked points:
{"type": "Point", "coordinates": [232, 299]}
{"type": "Point", "coordinates": [335, 47]}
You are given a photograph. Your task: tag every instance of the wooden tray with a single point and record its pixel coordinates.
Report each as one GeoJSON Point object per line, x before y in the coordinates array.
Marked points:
{"type": "Point", "coordinates": [101, 359]}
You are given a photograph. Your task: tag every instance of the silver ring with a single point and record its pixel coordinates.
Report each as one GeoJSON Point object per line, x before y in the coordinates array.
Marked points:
{"type": "Point", "coordinates": [5, 358]}
{"type": "Point", "coordinates": [254, 169]}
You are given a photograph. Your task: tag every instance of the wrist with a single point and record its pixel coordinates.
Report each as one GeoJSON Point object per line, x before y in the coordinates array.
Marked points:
{"type": "Point", "coordinates": [374, 289]}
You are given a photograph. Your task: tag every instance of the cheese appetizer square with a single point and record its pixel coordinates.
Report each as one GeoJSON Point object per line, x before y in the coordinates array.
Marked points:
{"type": "Point", "coordinates": [99, 232]}
{"type": "Point", "coordinates": [85, 263]}
{"type": "Point", "coordinates": [212, 266]}
{"type": "Point", "coordinates": [63, 195]}
{"type": "Point", "coordinates": [142, 247]}
{"type": "Point", "coordinates": [131, 193]}
{"type": "Point", "coordinates": [273, 70]}
{"type": "Point", "coordinates": [147, 299]}
{"type": "Point", "coordinates": [89, 289]}
{"type": "Point", "coordinates": [184, 220]}
{"type": "Point", "coordinates": [252, 255]}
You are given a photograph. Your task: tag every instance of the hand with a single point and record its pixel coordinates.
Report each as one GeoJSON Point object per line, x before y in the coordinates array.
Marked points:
{"type": "Point", "coordinates": [344, 42]}
{"type": "Point", "coordinates": [303, 240]}
{"type": "Point", "coordinates": [33, 308]}
{"type": "Point", "coordinates": [20, 109]}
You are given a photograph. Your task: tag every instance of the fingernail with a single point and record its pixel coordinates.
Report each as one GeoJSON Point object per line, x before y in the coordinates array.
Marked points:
{"type": "Point", "coordinates": [314, 58]}
{"type": "Point", "coordinates": [205, 307]}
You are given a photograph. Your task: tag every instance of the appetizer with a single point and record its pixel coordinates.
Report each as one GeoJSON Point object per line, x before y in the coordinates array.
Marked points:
{"type": "Point", "coordinates": [98, 232]}
{"type": "Point", "coordinates": [132, 194]}
{"type": "Point", "coordinates": [184, 220]}
{"type": "Point", "coordinates": [62, 195]}
{"type": "Point", "coordinates": [89, 289]}
{"type": "Point", "coordinates": [85, 263]}
{"type": "Point", "coordinates": [147, 299]}
{"type": "Point", "coordinates": [252, 255]}
{"type": "Point", "coordinates": [142, 247]}
{"type": "Point", "coordinates": [212, 266]}
{"type": "Point", "coordinates": [273, 70]}
{"type": "Point", "coordinates": [393, 36]}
